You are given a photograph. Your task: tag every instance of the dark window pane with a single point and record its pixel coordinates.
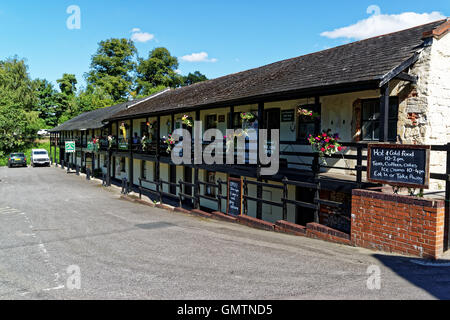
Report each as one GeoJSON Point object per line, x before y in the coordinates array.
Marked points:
{"type": "Point", "coordinates": [393, 110]}
{"type": "Point", "coordinates": [376, 130]}
{"type": "Point", "coordinates": [392, 130]}
{"type": "Point", "coordinates": [305, 129]}
{"type": "Point", "coordinates": [367, 130]}
{"type": "Point", "coordinates": [367, 111]}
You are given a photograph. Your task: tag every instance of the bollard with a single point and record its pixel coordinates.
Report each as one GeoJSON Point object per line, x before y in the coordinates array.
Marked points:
{"type": "Point", "coordinates": [62, 164]}
{"type": "Point", "coordinates": [77, 169]}
{"type": "Point", "coordinates": [88, 174]}
{"type": "Point", "coordinates": [68, 167]}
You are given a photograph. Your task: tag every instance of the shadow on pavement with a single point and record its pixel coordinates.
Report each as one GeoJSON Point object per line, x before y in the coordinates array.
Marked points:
{"type": "Point", "coordinates": [431, 276]}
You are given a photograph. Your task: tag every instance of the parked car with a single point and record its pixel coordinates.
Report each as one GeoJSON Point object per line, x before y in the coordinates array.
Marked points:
{"type": "Point", "coordinates": [39, 157]}
{"type": "Point", "coordinates": [17, 160]}
{"type": "Point", "coordinates": [43, 132]}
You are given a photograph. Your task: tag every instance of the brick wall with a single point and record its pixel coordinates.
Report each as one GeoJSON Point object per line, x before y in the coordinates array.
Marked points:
{"type": "Point", "coordinates": [397, 223]}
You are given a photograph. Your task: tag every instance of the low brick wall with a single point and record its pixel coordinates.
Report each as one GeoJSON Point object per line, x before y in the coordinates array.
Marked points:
{"type": "Point", "coordinates": [289, 227]}
{"type": "Point", "coordinates": [255, 223]}
{"type": "Point", "coordinates": [397, 223]}
{"type": "Point", "coordinates": [318, 231]}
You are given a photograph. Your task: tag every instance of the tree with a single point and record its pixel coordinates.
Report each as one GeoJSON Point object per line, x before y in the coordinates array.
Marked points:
{"type": "Point", "coordinates": [192, 78]}
{"type": "Point", "coordinates": [18, 122]}
{"type": "Point", "coordinates": [47, 105]}
{"type": "Point", "coordinates": [93, 98]}
{"type": "Point", "coordinates": [159, 69]}
{"type": "Point", "coordinates": [67, 84]}
{"type": "Point", "coordinates": [112, 67]}
{"type": "Point", "coordinates": [67, 106]}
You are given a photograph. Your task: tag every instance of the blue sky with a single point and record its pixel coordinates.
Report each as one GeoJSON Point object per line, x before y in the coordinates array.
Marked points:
{"type": "Point", "coordinates": [224, 36]}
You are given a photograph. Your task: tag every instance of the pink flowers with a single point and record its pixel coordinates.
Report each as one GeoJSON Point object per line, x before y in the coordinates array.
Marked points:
{"type": "Point", "coordinates": [326, 144]}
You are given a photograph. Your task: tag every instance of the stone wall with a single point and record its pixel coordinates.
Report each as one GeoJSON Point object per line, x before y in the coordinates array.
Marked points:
{"type": "Point", "coordinates": [424, 107]}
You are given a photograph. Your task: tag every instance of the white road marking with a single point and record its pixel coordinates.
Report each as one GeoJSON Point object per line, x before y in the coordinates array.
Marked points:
{"type": "Point", "coordinates": [40, 246]}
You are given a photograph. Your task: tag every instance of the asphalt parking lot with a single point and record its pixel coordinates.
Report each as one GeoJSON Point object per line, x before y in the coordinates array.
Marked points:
{"type": "Point", "coordinates": [62, 237]}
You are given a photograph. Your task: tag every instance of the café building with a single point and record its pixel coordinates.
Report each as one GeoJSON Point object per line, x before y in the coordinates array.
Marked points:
{"type": "Point", "coordinates": [390, 89]}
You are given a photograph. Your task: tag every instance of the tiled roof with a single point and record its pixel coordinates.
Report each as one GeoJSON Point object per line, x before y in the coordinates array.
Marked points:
{"type": "Point", "coordinates": [93, 119]}
{"type": "Point", "coordinates": [357, 62]}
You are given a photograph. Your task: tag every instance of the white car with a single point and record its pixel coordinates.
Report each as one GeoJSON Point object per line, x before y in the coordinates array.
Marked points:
{"type": "Point", "coordinates": [39, 157]}
{"type": "Point", "coordinates": [42, 132]}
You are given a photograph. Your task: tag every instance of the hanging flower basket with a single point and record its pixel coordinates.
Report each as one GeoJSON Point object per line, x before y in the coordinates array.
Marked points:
{"type": "Point", "coordinates": [145, 142]}
{"type": "Point", "coordinates": [308, 113]}
{"type": "Point", "coordinates": [187, 120]}
{"type": "Point", "coordinates": [326, 144]}
{"type": "Point", "coordinates": [111, 141]}
{"type": "Point", "coordinates": [169, 142]}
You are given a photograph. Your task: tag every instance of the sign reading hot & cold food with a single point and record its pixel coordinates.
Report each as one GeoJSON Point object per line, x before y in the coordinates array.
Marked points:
{"type": "Point", "coordinates": [399, 165]}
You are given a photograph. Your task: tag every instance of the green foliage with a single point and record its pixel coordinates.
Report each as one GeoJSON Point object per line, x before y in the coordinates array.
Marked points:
{"type": "Point", "coordinates": [27, 151]}
{"type": "Point", "coordinates": [18, 122]}
{"type": "Point", "coordinates": [29, 105]}
{"type": "Point", "coordinates": [158, 70]}
{"type": "Point", "coordinates": [46, 105]}
{"type": "Point", "coordinates": [67, 84]}
{"type": "Point", "coordinates": [192, 78]}
{"type": "Point", "coordinates": [112, 67]}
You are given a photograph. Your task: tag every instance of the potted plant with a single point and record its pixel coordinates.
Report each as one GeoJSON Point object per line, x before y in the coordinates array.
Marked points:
{"type": "Point", "coordinates": [326, 144]}
{"type": "Point", "coordinates": [187, 120]}
{"type": "Point", "coordinates": [307, 113]}
{"type": "Point", "coordinates": [169, 142]}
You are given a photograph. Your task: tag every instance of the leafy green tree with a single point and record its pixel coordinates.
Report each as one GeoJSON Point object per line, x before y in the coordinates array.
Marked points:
{"type": "Point", "coordinates": [192, 78]}
{"type": "Point", "coordinates": [67, 106]}
{"type": "Point", "coordinates": [159, 69]}
{"type": "Point", "coordinates": [67, 84]}
{"type": "Point", "coordinates": [93, 98]}
{"type": "Point", "coordinates": [18, 122]}
{"type": "Point", "coordinates": [112, 67]}
{"type": "Point", "coordinates": [47, 105]}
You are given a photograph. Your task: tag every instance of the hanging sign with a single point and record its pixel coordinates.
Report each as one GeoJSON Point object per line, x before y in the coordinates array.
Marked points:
{"type": "Point", "coordinates": [70, 146]}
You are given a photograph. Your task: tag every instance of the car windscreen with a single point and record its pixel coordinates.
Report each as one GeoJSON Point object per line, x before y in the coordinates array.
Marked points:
{"type": "Point", "coordinates": [17, 155]}
{"type": "Point", "coordinates": [40, 152]}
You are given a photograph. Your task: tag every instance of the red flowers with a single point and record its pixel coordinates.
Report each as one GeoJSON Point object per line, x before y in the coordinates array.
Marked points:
{"type": "Point", "coordinates": [326, 144]}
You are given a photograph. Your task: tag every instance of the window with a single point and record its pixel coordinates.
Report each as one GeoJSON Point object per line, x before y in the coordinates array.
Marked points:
{"type": "Point", "coordinates": [122, 164]}
{"type": "Point", "coordinates": [306, 124]}
{"type": "Point", "coordinates": [211, 178]}
{"type": "Point", "coordinates": [211, 121]}
{"type": "Point", "coordinates": [370, 124]}
{"type": "Point", "coordinates": [144, 129]}
{"type": "Point", "coordinates": [143, 169]}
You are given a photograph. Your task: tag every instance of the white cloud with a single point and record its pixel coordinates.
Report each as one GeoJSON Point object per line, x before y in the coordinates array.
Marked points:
{"type": "Point", "coordinates": [198, 57]}
{"type": "Point", "coordinates": [139, 36]}
{"type": "Point", "coordinates": [379, 24]}
{"type": "Point", "coordinates": [178, 71]}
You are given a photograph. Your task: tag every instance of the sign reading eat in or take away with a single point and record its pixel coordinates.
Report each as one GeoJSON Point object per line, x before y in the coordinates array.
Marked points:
{"type": "Point", "coordinates": [399, 165]}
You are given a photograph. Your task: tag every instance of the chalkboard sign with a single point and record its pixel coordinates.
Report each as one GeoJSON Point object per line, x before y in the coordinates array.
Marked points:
{"type": "Point", "coordinates": [234, 200]}
{"type": "Point", "coordinates": [399, 165]}
{"type": "Point", "coordinates": [287, 115]}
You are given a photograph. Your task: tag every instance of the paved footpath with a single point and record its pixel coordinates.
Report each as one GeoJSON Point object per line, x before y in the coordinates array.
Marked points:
{"type": "Point", "coordinates": [59, 232]}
